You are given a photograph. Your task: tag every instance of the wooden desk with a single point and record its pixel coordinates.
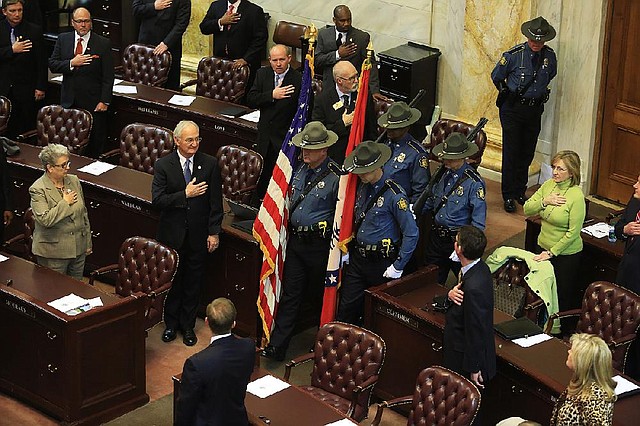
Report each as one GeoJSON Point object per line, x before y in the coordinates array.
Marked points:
{"type": "Point", "coordinates": [528, 380]}
{"type": "Point", "coordinates": [87, 368]}
{"type": "Point", "coordinates": [289, 407]}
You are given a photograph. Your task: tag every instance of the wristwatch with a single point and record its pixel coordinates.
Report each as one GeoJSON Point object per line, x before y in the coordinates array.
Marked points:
{"type": "Point", "coordinates": [549, 253]}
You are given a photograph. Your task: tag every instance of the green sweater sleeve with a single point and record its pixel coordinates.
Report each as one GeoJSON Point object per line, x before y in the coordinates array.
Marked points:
{"type": "Point", "coordinates": [533, 205]}
{"type": "Point", "coordinates": [577, 212]}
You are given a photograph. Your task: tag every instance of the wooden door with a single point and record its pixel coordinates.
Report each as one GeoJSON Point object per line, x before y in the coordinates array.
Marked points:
{"type": "Point", "coordinates": [617, 162]}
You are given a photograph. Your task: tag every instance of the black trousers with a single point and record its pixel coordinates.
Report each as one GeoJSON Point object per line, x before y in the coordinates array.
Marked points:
{"type": "Point", "coordinates": [437, 253]}
{"type": "Point", "coordinates": [305, 268]}
{"type": "Point", "coordinates": [361, 274]}
{"type": "Point", "coordinates": [181, 304]}
{"type": "Point", "coordinates": [23, 111]}
{"type": "Point", "coordinates": [173, 78]}
{"type": "Point", "coordinates": [520, 130]}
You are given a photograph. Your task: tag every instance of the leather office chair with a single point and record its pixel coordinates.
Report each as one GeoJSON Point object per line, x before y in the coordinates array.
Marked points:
{"type": "Point", "coordinates": [141, 65]}
{"type": "Point", "coordinates": [5, 114]}
{"type": "Point", "coordinates": [141, 145]}
{"type": "Point", "coordinates": [611, 312]}
{"type": "Point", "coordinates": [290, 34]}
{"type": "Point", "coordinates": [67, 126]}
{"type": "Point", "coordinates": [441, 397]}
{"type": "Point", "coordinates": [216, 80]}
{"type": "Point", "coordinates": [381, 107]}
{"type": "Point", "coordinates": [512, 294]}
{"type": "Point", "coordinates": [24, 241]}
{"type": "Point", "coordinates": [346, 363]}
{"type": "Point", "coordinates": [144, 266]}
{"type": "Point", "coordinates": [443, 128]}
{"type": "Point", "coordinates": [240, 170]}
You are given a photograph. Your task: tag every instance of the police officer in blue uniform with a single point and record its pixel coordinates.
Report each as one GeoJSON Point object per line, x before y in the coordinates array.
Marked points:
{"type": "Point", "coordinates": [455, 197]}
{"type": "Point", "coordinates": [522, 76]}
{"type": "Point", "coordinates": [385, 232]}
{"type": "Point", "coordinates": [409, 163]}
{"type": "Point", "coordinates": [314, 192]}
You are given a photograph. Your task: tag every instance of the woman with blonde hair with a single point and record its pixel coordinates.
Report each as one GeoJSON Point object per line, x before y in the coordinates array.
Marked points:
{"type": "Point", "coordinates": [589, 398]}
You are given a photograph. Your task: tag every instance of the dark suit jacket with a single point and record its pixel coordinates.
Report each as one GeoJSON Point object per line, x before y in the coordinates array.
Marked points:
{"type": "Point", "coordinates": [214, 384]}
{"type": "Point", "coordinates": [166, 25]}
{"type": "Point", "coordinates": [275, 115]}
{"type": "Point", "coordinates": [202, 215]}
{"type": "Point", "coordinates": [469, 327]}
{"type": "Point", "coordinates": [246, 39]}
{"type": "Point", "coordinates": [325, 54]}
{"type": "Point", "coordinates": [85, 86]}
{"type": "Point", "coordinates": [26, 71]}
{"type": "Point", "coordinates": [324, 111]}
{"type": "Point", "coordinates": [629, 268]}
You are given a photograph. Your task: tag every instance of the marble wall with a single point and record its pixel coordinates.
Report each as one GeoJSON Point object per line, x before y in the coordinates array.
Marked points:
{"type": "Point", "coordinates": [472, 34]}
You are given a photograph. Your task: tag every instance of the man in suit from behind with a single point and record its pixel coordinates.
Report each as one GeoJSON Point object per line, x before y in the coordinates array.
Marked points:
{"type": "Point", "coordinates": [162, 24]}
{"type": "Point", "coordinates": [275, 92]}
{"type": "Point", "coordinates": [85, 60]}
{"type": "Point", "coordinates": [187, 190]}
{"type": "Point", "coordinates": [23, 66]}
{"type": "Point", "coordinates": [214, 381]}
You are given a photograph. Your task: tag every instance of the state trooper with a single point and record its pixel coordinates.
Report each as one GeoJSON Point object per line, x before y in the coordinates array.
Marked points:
{"type": "Point", "coordinates": [314, 192]}
{"type": "Point", "coordinates": [385, 232]}
{"type": "Point", "coordinates": [409, 163]}
{"type": "Point", "coordinates": [455, 197]}
{"type": "Point", "coordinates": [522, 76]}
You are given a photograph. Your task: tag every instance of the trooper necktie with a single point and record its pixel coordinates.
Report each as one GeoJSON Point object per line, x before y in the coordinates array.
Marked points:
{"type": "Point", "coordinates": [79, 47]}
{"type": "Point", "coordinates": [187, 171]}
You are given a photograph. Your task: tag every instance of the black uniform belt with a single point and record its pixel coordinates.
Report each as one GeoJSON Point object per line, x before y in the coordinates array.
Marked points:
{"type": "Point", "coordinates": [316, 230]}
{"type": "Point", "coordinates": [385, 249]}
{"type": "Point", "coordinates": [515, 98]}
{"type": "Point", "coordinates": [443, 231]}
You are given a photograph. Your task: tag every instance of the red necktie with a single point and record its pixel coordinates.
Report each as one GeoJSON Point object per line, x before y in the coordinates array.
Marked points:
{"type": "Point", "coordinates": [638, 216]}
{"type": "Point", "coordinates": [229, 12]}
{"type": "Point", "coordinates": [79, 47]}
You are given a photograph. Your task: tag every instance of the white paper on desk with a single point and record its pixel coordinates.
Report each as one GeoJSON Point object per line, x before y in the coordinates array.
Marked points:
{"type": "Point", "coordinates": [527, 342]}
{"type": "Point", "coordinates": [253, 116]}
{"type": "Point", "coordinates": [597, 230]}
{"type": "Point", "coordinates": [342, 422]}
{"type": "Point", "coordinates": [129, 90]}
{"type": "Point", "coordinates": [71, 304]}
{"type": "Point", "coordinates": [624, 385]}
{"type": "Point", "coordinates": [117, 81]}
{"type": "Point", "coordinates": [266, 386]}
{"type": "Point", "coordinates": [57, 78]}
{"type": "Point", "coordinates": [182, 100]}
{"type": "Point", "coordinates": [95, 302]}
{"type": "Point", "coordinates": [3, 258]}
{"type": "Point", "coordinates": [97, 168]}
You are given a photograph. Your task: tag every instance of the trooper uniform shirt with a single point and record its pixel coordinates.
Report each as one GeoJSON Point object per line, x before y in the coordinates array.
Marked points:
{"type": "Point", "coordinates": [319, 203]}
{"type": "Point", "coordinates": [388, 218]}
{"type": "Point", "coordinates": [518, 65]}
{"type": "Point", "coordinates": [466, 205]}
{"type": "Point", "coordinates": [408, 166]}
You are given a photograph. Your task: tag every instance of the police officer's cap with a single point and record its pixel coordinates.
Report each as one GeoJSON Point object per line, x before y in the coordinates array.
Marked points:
{"type": "Point", "coordinates": [455, 147]}
{"type": "Point", "coordinates": [538, 30]}
{"type": "Point", "coordinates": [314, 136]}
{"type": "Point", "coordinates": [367, 157]}
{"type": "Point", "coordinates": [399, 115]}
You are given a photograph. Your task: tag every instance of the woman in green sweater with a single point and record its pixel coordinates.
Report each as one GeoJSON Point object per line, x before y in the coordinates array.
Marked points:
{"type": "Point", "coordinates": [560, 204]}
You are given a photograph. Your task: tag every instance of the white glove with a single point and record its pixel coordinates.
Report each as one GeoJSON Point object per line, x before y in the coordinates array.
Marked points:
{"type": "Point", "coordinates": [412, 212]}
{"type": "Point", "coordinates": [345, 258]}
{"type": "Point", "coordinates": [392, 273]}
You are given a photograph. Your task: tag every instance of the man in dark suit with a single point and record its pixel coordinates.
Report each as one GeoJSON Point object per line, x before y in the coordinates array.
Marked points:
{"type": "Point", "coordinates": [5, 195]}
{"type": "Point", "coordinates": [187, 190]}
{"type": "Point", "coordinates": [278, 102]}
{"type": "Point", "coordinates": [239, 32]}
{"type": "Point", "coordinates": [85, 60]}
{"type": "Point", "coordinates": [162, 23]}
{"type": "Point", "coordinates": [214, 381]}
{"type": "Point", "coordinates": [469, 347]}
{"type": "Point", "coordinates": [23, 67]}
{"type": "Point", "coordinates": [628, 229]}
{"type": "Point", "coordinates": [334, 107]}
{"type": "Point", "coordinates": [342, 42]}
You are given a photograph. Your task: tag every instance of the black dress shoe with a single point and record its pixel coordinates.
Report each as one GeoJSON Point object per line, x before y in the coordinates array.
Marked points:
{"type": "Point", "coordinates": [189, 337]}
{"type": "Point", "coordinates": [169, 335]}
{"type": "Point", "coordinates": [510, 205]}
{"type": "Point", "coordinates": [274, 353]}
{"type": "Point", "coordinates": [522, 199]}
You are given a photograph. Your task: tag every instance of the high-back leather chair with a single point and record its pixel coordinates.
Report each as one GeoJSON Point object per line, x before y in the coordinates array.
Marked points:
{"type": "Point", "coordinates": [512, 294]}
{"type": "Point", "coordinates": [216, 79]}
{"type": "Point", "coordinates": [443, 128]}
{"type": "Point", "coordinates": [441, 397]}
{"type": "Point", "coordinates": [290, 34]}
{"type": "Point", "coordinates": [346, 363]}
{"type": "Point", "coordinates": [141, 145]}
{"type": "Point", "coordinates": [611, 312]}
{"type": "Point", "coordinates": [5, 114]}
{"type": "Point", "coordinates": [24, 240]}
{"type": "Point", "coordinates": [240, 170]}
{"type": "Point", "coordinates": [141, 65]}
{"type": "Point", "coordinates": [70, 127]}
{"type": "Point", "coordinates": [147, 267]}
{"type": "Point", "coordinates": [381, 106]}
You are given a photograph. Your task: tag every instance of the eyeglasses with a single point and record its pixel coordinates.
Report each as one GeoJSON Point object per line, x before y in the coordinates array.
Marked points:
{"type": "Point", "coordinates": [64, 165]}
{"type": "Point", "coordinates": [193, 140]}
{"type": "Point", "coordinates": [558, 168]}
{"type": "Point", "coordinates": [82, 21]}
{"type": "Point", "coordinates": [352, 78]}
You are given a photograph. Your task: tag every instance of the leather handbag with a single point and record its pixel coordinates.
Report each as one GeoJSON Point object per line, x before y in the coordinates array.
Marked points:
{"type": "Point", "coordinates": [509, 298]}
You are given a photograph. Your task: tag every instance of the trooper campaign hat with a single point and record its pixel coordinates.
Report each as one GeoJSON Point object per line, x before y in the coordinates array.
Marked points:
{"type": "Point", "coordinates": [314, 136]}
{"type": "Point", "coordinates": [398, 116]}
{"type": "Point", "coordinates": [538, 30]}
{"type": "Point", "coordinates": [368, 156]}
{"type": "Point", "coordinates": [455, 147]}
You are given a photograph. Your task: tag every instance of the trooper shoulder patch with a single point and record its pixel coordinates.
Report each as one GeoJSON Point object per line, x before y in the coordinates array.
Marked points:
{"type": "Point", "coordinates": [481, 193]}
{"type": "Point", "coordinates": [403, 204]}
{"type": "Point", "coordinates": [503, 61]}
{"type": "Point", "coordinates": [424, 162]}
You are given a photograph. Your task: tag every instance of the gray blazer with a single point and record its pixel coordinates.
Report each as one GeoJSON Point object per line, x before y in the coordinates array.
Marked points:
{"type": "Point", "coordinates": [62, 231]}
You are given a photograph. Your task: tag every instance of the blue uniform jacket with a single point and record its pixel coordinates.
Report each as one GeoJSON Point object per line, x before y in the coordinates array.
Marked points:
{"type": "Point", "coordinates": [408, 166]}
{"type": "Point", "coordinates": [516, 68]}
{"type": "Point", "coordinates": [320, 203]}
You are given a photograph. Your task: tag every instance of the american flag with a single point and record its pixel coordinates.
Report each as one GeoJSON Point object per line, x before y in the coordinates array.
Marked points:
{"type": "Point", "coordinates": [343, 217]}
{"type": "Point", "coordinates": [270, 227]}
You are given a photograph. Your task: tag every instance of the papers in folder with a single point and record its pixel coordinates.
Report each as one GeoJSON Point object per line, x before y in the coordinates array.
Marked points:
{"type": "Point", "coordinates": [527, 342]}
{"type": "Point", "coordinates": [253, 116]}
{"type": "Point", "coordinates": [72, 304]}
{"type": "Point", "coordinates": [3, 258]}
{"type": "Point", "coordinates": [125, 89]}
{"type": "Point", "coordinates": [266, 386]}
{"type": "Point", "coordinates": [623, 386]}
{"type": "Point", "coordinates": [182, 100]}
{"type": "Point", "coordinates": [97, 168]}
{"type": "Point", "coordinates": [597, 230]}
